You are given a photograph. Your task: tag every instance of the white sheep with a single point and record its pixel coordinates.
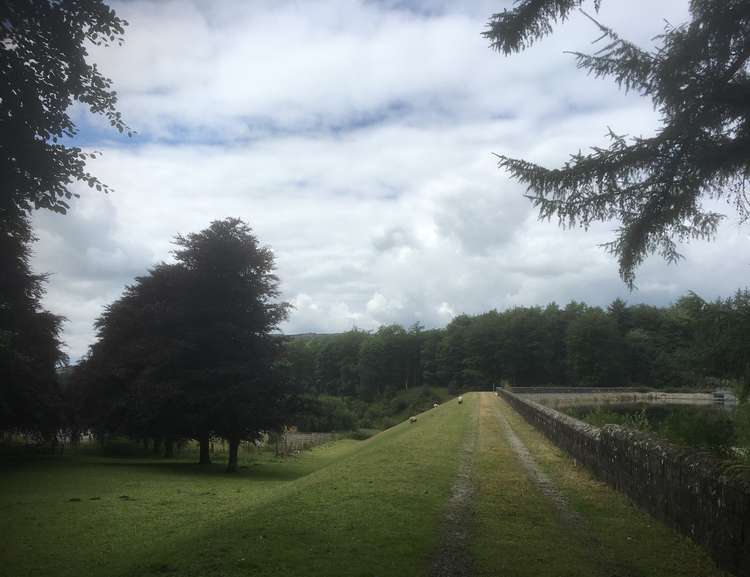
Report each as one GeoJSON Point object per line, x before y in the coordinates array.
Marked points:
{"type": "Point", "coordinates": [460, 400]}
{"type": "Point", "coordinates": [435, 405]}
{"type": "Point", "coordinates": [412, 419]}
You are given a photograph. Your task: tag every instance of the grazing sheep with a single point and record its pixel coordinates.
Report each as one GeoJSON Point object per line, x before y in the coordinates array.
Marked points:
{"type": "Point", "coordinates": [435, 405]}
{"type": "Point", "coordinates": [460, 400]}
{"type": "Point", "coordinates": [412, 419]}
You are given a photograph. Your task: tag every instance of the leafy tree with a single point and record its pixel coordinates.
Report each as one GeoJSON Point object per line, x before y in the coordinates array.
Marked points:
{"type": "Point", "coordinates": [187, 351]}
{"type": "Point", "coordinates": [372, 367]}
{"type": "Point", "coordinates": [725, 343]}
{"type": "Point", "coordinates": [232, 315]}
{"type": "Point", "coordinates": [137, 364]}
{"type": "Point", "coordinates": [30, 346]}
{"type": "Point", "coordinates": [595, 350]}
{"type": "Point", "coordinates": [451, 353]}
{"type": "Point", "coordinates": [698, 81]}
{"type": "Point", "coordinates": [44, 69]}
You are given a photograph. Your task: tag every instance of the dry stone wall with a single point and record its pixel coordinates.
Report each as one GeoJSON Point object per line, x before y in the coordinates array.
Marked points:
{"type": "Point", "coordinates": [695, 493]}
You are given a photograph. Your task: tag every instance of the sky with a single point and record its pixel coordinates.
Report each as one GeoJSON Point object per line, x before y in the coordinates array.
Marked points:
{"type": "Point", "coordinates": [357, 139]}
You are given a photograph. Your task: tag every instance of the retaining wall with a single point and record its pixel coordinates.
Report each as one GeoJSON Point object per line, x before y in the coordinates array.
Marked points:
{"type": "Point", "coordinates": [565, 398]}
{"type": "Point", "coordinates": [695, 493]}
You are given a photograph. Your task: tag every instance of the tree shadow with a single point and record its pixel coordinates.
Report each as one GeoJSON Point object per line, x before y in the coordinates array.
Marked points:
{"type": "Point", "coordinates": [252, 471]}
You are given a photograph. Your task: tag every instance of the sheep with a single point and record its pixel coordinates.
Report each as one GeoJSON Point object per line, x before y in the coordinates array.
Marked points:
{"type": "Point", "coordinates": [435, 405]}
{"type": "Point", "coordinates": [412, 419]}
{"type": "Point", "coordinates": [460, 400]}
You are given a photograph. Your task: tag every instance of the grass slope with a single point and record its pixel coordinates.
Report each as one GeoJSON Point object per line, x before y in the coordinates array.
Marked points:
{"type": "Point", "coordinates": [350, 508]}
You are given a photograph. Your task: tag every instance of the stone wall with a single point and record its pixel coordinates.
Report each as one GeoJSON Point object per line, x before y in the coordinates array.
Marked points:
{"type": "Point", "coordinates": [569, 397]}
{"type": "Point", "coordinates": [698, 495]}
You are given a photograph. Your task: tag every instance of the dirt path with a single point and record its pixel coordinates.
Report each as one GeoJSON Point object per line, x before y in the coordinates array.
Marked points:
{"type": "Point", "coordinates": [539, 477]}
{"type": "Point", "coordinates": [452, 558]}
{"type": "Point", "coordinates": [602, 565]}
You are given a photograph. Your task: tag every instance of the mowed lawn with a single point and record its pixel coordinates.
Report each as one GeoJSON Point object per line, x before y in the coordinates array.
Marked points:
{"type": "Point", "coordinates": [351, 508]}
{"type": "Point", "coordinates": [520, 533]}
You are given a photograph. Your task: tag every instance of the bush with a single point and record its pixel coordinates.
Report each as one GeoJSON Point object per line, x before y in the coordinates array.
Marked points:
{"type": "Point", "coordinates": [121, 447]}
{"type": "Point", "coordinates": [327, 413]}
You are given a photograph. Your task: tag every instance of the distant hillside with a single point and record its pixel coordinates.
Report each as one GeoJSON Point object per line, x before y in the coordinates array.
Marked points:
{"type": "Point", "coordinates": [312, 336]}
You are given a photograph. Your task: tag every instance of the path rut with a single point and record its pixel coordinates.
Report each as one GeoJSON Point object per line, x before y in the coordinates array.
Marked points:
{"type": "Point", "coordinates": [452, 558]}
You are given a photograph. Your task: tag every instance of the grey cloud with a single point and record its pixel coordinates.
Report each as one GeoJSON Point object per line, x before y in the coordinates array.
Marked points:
{"type": "Point", "coordinates": [392, 238]}
{"type": "Point", "coordinates": [374, 217]}
{"type": "Point", "coordinates": [482, 220]}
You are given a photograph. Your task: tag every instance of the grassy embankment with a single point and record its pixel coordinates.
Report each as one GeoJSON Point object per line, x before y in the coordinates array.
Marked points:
{"type": "Point", "coordinates": [519, 533]}
{"type": "Point", "coordinates": [350, 508]}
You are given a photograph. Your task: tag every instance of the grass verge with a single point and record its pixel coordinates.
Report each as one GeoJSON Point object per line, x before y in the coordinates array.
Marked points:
{"type": "Point", "coordinates": [618, 539]}
{"type": "Point", "coordinates": [351, 508]}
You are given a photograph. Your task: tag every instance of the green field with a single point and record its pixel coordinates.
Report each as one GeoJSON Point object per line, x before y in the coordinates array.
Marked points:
{"type": "Point", "coordinates": [351, 508]}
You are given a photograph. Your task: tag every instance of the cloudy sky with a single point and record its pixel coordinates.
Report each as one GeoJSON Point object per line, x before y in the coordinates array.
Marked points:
{"type": "Point", "coordinates": [356, 138]}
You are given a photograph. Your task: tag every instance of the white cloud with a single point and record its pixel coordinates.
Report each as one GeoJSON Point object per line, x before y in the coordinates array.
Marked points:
{"type": "Point", "coordinates": [357, 138]}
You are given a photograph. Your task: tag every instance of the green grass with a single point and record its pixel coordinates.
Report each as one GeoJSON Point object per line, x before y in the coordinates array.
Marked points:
{"type": "Point", "coordinates": [517, 532]}
{"type": "Point", "coordinates": [350, 508]}
{"type": "Point", "coordinates": [616, 538]}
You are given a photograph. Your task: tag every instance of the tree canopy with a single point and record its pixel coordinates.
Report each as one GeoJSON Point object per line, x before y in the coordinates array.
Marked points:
{"type": "Point", "coordinates": [655, 186]}
{"type": "Point", "coordinates": [44, 70]}
{"type": "Point", "coordinates": [187, 351]}
{"type": "Point", "coordinates": [30, 347]}
{"type": "Point", "coordinates": [692, 343]}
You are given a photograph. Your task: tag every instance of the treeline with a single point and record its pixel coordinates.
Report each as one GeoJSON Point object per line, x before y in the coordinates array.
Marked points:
{"type": "Point", "coordinates": [171, 364]}
{"type": "Point", "coordinates": [691, 343]}
{"type": "Point", "coordinates": [187, 352]}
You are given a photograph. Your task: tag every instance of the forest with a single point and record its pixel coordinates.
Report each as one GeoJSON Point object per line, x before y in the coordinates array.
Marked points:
{"type": "Point", "coordinates": [692, 343]}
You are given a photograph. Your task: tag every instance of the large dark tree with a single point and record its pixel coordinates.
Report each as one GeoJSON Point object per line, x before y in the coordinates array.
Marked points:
{"type": "Point", "coordinates": [232, 315]}
{"type": "Point", "coordinates": [188, 350]}
{"type": "Point", "coordinates": [30, 348]}
{"type": "Point", "coordinates": [698, 80]}
{"type": "Point", "coordinates": [135, 372]}
{"type": "Point", "coordinates": [43, 71]}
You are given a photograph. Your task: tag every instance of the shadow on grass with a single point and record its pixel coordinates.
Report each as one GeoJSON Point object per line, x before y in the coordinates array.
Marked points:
{"type": "Point", "coordinates": [265, 469]}
{"type": "Point", "coordinates": [270, 471]}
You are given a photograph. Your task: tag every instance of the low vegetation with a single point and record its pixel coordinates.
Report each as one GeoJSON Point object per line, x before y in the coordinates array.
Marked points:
{"type": "Point", "coordinates": [364, 508]}
{"type": "Point", "coordinates": [725, 432]}
{"type": "Point", "coordinates": [350, 508]}
{"type": "Point", "coordinates": [520, 533]}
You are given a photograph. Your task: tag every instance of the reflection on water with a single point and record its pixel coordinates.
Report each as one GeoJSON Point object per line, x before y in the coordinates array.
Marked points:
{"type": "Point", "coordinates": [721, 430]}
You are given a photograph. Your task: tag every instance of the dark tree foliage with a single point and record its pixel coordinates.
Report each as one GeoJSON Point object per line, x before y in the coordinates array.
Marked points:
{"type": "Point", "coordinates": [188, 350]}
{"type": "Point", "coordinates": [698, 81]}
{"type": "Point", "coordinates": [30, 347]}
{"type": "Point", "coordinates": [133, 372]}
{"type": "Point", "coordinates": [595, 350]}
{"type": "Point", "coordinates": [692, 343]}
{"type": "Point", "coordinates": [232, 315]}
{"type": "Point", "coordinates": [44, 70]}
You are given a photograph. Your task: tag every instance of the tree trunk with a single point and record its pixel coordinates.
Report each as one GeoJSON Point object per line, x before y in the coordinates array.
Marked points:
{"type": "Point", "coordinates": [145, 443]}
{"type": "Point", "coordinates": [205, 454]}
{"type": "Point", "coordinates": [169, 448]}
{"type": "Point", "coordinates": [157, 445]}
{"type": "Point", "coordinates": [234, 445]}
{"type": "Point", "coordinates": [75, 438]}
